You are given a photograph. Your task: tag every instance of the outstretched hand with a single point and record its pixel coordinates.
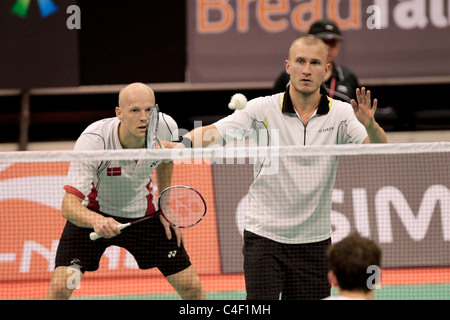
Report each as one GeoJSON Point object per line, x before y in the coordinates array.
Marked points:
{"type": "Point", "coordinates": [363, 108]}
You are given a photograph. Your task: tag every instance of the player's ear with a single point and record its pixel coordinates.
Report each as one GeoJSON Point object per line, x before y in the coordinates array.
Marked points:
{"type": "Point", "coordinates": [287, 65]}
{"type": "Point", "coordinates": [118, 112]}
{"type": "Point", "coordinates": [333, 279]}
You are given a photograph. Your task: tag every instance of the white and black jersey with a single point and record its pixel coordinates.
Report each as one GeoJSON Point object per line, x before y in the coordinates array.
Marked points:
{"type": "Point", "coordinates": [293, 204]}
{"type": "Point", "coordinates": [119, 188]}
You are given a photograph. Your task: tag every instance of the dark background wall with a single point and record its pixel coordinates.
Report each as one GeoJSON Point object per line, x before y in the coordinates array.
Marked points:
{"type": "Point", "coordinates": [119, 42]}
{"type": "Point", "coordinates": [126, 41]}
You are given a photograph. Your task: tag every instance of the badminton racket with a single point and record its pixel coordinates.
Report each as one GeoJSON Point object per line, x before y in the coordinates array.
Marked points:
{"type": "Point", "coordinates": [151, 131]}
{"type": "Point", "coordinates": [180, 206]}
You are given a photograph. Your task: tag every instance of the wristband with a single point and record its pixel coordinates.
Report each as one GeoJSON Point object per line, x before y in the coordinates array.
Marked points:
{"type": "Point", "coordinates": [186, 141]}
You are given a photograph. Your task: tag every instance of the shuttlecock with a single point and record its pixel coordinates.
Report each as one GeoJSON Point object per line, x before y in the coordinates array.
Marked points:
{"type": "Point", "coordinates": [238, 102]}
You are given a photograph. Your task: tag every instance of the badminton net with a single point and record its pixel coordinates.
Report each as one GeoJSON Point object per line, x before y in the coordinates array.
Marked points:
{"type": "Point", "coordinates": [396, 194]}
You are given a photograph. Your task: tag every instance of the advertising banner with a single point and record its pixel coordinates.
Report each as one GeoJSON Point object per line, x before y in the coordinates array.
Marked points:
{"type": "Point", "coordinates": [396, 200]}
{"type": "Point", "coordinates": [248, 40]}
{"type": "Point", "coordinates": [31, 224]}
{"type": "Point", "coordinates": [399, 202]}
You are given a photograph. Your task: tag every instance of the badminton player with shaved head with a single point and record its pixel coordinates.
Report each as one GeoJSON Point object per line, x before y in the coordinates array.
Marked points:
{"type": "Point", "coordinates": [288, 226]}
{"type": "Point", "coordinates": [340, 82]}
{"type": "Point", "coordinates": [100, 195]}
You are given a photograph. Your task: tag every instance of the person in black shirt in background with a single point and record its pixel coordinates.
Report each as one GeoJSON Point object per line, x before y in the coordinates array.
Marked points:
{"type": "Point", "coordinates": [340, 82]}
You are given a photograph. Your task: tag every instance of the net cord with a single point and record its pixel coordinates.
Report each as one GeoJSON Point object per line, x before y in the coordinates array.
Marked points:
{"type": "Point", "coordinates": [224, 152]}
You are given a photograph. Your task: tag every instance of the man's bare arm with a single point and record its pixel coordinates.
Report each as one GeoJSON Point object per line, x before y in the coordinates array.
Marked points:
{"type": "Point", "coordinates": [73, 210]}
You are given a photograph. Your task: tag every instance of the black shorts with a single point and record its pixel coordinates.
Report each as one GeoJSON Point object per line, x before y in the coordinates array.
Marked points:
{"type": "Point", "coordinates": [146, 241]}
{"type": "Point", "coordinates": [294, 271]}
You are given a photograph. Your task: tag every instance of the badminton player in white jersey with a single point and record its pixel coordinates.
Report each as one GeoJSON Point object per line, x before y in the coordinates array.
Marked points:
{"type": "Point", "coordinates": [102, 194]}
{"type": "Point", "coordinates": [288, 224]}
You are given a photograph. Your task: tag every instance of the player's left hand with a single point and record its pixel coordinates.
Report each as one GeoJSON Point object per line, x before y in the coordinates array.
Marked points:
{"type": "Point", "coordinates": [363, 108]}
{"type": "Point", "coordinates": [168, 229]}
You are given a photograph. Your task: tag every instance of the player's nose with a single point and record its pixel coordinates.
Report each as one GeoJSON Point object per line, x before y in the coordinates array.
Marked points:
{"type": "Point", "coordinates": [143, 116]}
{"type": "Point", "coordinates": [307, 69]}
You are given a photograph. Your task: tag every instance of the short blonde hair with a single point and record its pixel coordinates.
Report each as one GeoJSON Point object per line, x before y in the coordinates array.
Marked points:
{"type": "Point", "coordinates": [310, 40]}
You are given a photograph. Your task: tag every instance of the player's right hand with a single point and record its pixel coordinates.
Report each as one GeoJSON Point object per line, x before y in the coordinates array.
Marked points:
{"type": "Point", "coordinates": [106, 227]}
{"type": "Point", "coordinates": [172, 145]}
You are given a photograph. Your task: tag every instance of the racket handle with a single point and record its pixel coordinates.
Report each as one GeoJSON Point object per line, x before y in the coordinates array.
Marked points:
{"type": "Point", "coordinates": [94, 235]}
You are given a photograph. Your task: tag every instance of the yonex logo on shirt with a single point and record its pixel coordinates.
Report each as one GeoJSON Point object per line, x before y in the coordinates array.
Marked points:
{"type": "Point", "coordinates": [114, 172]}
{"type": "Point", "coordinates": [326, 129]}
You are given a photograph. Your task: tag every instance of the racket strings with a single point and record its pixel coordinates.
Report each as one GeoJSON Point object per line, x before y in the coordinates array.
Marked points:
{"type": "Point", "coordinates": [152, 128]}
{"type": "Point", "coordinates": [182, 206]}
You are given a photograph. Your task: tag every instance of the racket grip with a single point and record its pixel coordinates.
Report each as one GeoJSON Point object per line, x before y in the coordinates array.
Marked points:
{"type": "Point", "coordinates": [94, 235]}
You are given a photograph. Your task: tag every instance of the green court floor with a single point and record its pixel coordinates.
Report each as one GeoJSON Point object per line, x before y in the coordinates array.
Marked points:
{"type": "Point", "coordinates": [391, 292]}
